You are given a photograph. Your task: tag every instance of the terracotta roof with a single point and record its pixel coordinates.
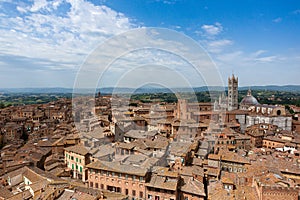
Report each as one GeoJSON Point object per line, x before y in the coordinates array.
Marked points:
{"type": "Point", "coordinates": [213, 171]}
{"type": "Point", "coordinates": [246, 192]}
{"type": "Point", "coordinates": [190, 170]}
{"type": "Point", "coordinates": [227, 180]}
{"type": "Point", "coordinates": [78, 149]}
{"type": "Point", "coordinates": [234, 157]}
{"type": "Point", "coordinates": [180, 148]}
{"type": "Point", "coordinates": [5, 193]}
{"type": "Point", "coordinates": [33, 177]}
{"type": "Point", "coordinates": [214, 157]}
{"type": "Point", "coordinates": [22, 195]}
{"type": "Point", "coordinates": [126, 145]}
{"type": "Point", "coordinates": [193, 186]}
{"type": "Point", "coordinates": [117, 167]}
{"type": "Point", "coordinates": [38, 185]}
{"type": "Point", "coordinates": [158, 143]}
{"type": "Point", "coordinates": [163, 182]}
{"type": "Point", "coordinates": [140, 134]}
{"type": "Point", "coordinates": [164, 171]}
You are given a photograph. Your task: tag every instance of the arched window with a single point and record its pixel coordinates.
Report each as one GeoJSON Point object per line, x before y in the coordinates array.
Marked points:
{"type": "Point", "coordinates": [278, 112]}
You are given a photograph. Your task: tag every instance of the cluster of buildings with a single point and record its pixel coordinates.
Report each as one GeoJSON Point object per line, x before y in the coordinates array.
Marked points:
{"type": "Point", "coordinates": [157, 151]}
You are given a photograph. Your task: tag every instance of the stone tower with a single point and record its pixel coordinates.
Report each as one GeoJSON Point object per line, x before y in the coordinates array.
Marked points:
{"type": "Point", "coordinates": [182, 110]}
{"type": "Point", "coordinates": [232, 93]}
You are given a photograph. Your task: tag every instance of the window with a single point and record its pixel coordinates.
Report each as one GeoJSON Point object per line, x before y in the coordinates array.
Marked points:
{"type": "Point", "coordinates": [141, 178]}
{"type": "Point", "coordinates": [79, 160]}
{"type": "Point", "coordinates": [126, 176]}
{"type": "Point", "coordinates": [76, 159]}
{"type": "Point", "coordinates": [113, 173]}
{"type": "Point", "coordinates": [133, 193]}
{"type": "Point", "coordinates": [133, 177]}
{"type": "Point", "coordinates": [156, 197]}
{"type": "Point", "coordinates": [96, 185]}
{"type": "Point", "coordinates": [141, 194]}
{"type": "Point", "coordinates": [126, 192]}
{"type": "Point", "coordinates": [80, 169]}
{"type": "Point", "coordinates": [91, 184]}
{"type": "Point", "coordinates": [102, 186]}
{"type": "Point", "coordinates": [72, 166]}
{"type": "Point", "coordinates": [76, 166]}
{"type": "Point", "coordinates": [120, 175]}
{"type": "Point", "coordinates": [149, 196]}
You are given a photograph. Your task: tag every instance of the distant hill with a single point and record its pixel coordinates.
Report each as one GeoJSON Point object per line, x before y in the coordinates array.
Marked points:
{"type": "Point", "coordinates": [284, 88]}
{"type": "Point", "coordinates": [109, 90]}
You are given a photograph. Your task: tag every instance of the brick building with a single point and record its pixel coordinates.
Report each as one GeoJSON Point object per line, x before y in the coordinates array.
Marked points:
{"type": "Point", "coordinates": [121, 178]}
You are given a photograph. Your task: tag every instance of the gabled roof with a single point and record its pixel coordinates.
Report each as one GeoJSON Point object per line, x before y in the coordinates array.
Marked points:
{"type": "Point", "coordinates": [193, 186]}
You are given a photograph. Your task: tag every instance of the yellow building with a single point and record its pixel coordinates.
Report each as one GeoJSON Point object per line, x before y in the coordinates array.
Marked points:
{"type": "Point", "coordinates": [76, 158]}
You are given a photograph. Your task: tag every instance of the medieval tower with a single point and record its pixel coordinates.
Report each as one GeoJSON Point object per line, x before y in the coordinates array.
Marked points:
{"type": "Point", "coordinates": [232, 93]}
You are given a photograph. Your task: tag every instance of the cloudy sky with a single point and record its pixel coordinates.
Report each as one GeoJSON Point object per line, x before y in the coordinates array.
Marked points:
{"type": "Point", "coordinates": [45, 43]}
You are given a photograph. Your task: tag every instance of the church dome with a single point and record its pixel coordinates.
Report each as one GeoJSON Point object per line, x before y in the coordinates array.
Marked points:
{"type": "Point", "coordinates": [249, 99]}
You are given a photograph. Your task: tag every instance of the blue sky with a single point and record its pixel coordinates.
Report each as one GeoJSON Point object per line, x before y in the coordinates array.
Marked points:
{"type": "Point", "coordinates": [43, 43]}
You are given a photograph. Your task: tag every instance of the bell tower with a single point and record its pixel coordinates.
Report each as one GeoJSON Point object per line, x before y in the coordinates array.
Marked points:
{"type": "Point", "coordinates": [233, 93]}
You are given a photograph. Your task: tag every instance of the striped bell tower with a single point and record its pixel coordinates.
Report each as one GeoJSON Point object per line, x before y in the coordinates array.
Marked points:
{"type": "Point", "coordinates": [233, 93]}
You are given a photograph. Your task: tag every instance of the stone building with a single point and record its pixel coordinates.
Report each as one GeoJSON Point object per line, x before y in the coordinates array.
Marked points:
{"type": "Point", "coordinates": [270, 114]}
{"type": "Point", "coordinates": [76, 159]}
{"type": "Point", "coordinates": [233, 93]}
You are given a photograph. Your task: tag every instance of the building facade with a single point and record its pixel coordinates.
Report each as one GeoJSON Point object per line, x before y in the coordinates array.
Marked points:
{"type": "Point", "coordinates": [76, 158]}
{"type": "Point", "coordinates": [121, 178]}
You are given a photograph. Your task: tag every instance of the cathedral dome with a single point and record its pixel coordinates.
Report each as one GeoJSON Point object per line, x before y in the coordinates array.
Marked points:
{"type": "Point", "coordinates": [249, 99]}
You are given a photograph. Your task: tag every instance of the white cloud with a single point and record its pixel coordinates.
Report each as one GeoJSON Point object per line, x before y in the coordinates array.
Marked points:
{"type": "Point", "coordinates": [296, 12]}
{"type": "Point", "coordinates": [229, 57]}
{"type": "Point", "coordinates": [258, 53]}
{"type": "Point", "coordinates": [66, 39]}
{"type": "Point", "coordinates": [21, 9]}
{"type": "Point", "coordinates": [277, 20]}
{"type": "Point", "coordinates": [169, 2]}
{"type": "Point", "coordinates": [267, 59]}
{"type": "Point", "coordinates": [51, 40]}
{"type": "Point", "coordinates": [216, 46]}
{"type": "Point", "coordinates": [212, 30]}
{"type": "Point", "coordinates": [248, 59]}
{"type": "Point", "coordinates": [38, 5]}
{"type": "Point", "coordinates": [56, 3]}
{"type": "Point", "coordinates": [147, 47]}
